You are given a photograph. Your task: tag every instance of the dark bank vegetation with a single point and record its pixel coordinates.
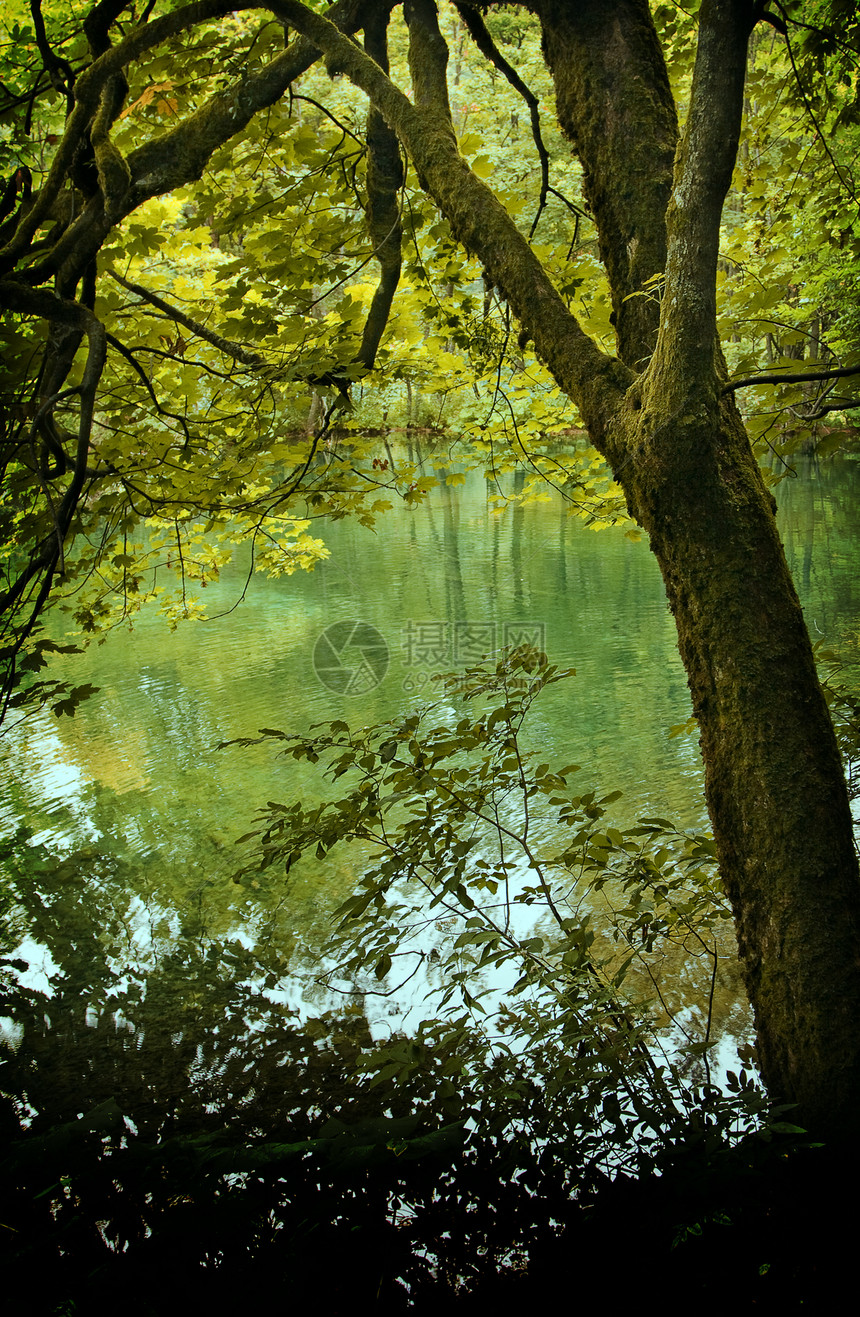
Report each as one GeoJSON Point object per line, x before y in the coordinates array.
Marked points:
{"type": "Point", "coordinates": [175, 1133]}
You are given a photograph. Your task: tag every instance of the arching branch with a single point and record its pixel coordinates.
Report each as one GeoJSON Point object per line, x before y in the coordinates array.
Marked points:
{"type": "Point", "coordinates": [87, 94]}
{"type": "Point", "coordinates": [225, 345]}
{"type": "Point", "coordinates": [480, 34]}
{"type": "Point", "coordinates": [794, 377]}
{"type": "Point", "coordinates": [168, 161]}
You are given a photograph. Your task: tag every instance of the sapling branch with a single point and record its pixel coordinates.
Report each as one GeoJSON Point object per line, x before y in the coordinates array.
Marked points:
{"type": "Point", "coordinates": [229, 348]}
{"type": "Point", "coordinates": [59, 70]}
{"type": "Point", "coordinates": [792, 377]}
{"type": "Point", "coordinates": [480, 34]}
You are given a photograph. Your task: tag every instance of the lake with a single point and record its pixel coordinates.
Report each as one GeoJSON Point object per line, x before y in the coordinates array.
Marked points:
{"type": "Point", "coordinates": [120, 822]}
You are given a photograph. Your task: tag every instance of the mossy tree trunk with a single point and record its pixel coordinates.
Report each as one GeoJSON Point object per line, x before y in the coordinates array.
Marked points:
{"type": "Point", "coordinates": [659, 412]}
{"type": "Point", "coordinates": [773, 777]}
{"type": "Point", "coordinates": [615, 104]}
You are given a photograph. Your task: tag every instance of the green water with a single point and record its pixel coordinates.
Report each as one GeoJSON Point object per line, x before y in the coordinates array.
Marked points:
{"type": "Point", "coordinates": [122, 820]}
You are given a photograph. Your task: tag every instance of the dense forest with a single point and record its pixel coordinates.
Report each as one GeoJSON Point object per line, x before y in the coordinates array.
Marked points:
{"type": "Point", "coordinates": [255, 263]}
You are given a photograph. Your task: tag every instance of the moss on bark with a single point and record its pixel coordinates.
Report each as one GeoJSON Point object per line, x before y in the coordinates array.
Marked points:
{"type": "Point", "coordinates": [615, 104]}
{"type": "Point", "coordinates": [773, 778]}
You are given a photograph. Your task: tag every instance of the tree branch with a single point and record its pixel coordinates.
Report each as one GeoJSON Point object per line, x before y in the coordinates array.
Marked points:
{"type": "Point", "coordinates": [113, 172]}
{"type": "Point", "coordinates": [98, 23]}
{"type": "Point", "coordinates": [88, 90]}
{"type": "Point", "coordinates": [591, 377]}
{"type": "Point", "coordinates": [176, 157]}
{"type": "Point", "coordinates": [687, 346]}
{"type": "Point", "coordinates": [19, 178]}
{"type": "Point", "coordinates": [428, 57]}
{"type": "Point", "coordinates": [478, 31]}
{"type": "Point", "coordinates": [821, 136]}
{"type": "Point", "coordinates": [824, 409]}
{"type": "Point", "coordinates": [180, 156]}
{"type": "Point", "coordinates": [224, 345]}
{"type": "Point", "coordinates": [147, 383]}
{"type": "Point", "coordinates": [384, 181]}
{"type": "Point", "coordinates": [59, 70]}
{"type": "Point", "coordinates": [796, 377]}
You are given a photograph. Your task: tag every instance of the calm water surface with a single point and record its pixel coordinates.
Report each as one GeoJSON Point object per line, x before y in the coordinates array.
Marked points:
{"type": "Point", "coordinates": [121, 821]}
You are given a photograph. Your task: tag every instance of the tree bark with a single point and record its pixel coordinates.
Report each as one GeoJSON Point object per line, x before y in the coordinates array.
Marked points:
{"type": "Point", "coordinates": [615, 104]}
{"type": "Point", "coordinates": [774, 783]}
{"type": "Point", "coordinates": [773, 778]}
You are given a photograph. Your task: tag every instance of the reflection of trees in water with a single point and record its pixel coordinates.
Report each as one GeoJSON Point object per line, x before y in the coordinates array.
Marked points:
{"type": "Point", "coordinates": [517, 525]}
{"type": "Point", "coordinates": [253, 1153]}
{"type": "Point", "coordinates": [149, 1006]}
{"type": "Point", "coordinates": [819, 520]}
{"type": "Point", "coordinates": [561, 556]}
{"type": "Point", "coordinates": [257, 1150]}
{"type": "Point", "coordinates": [455, 595]}
{"type": "Point", "coordinates": [187, 1041]}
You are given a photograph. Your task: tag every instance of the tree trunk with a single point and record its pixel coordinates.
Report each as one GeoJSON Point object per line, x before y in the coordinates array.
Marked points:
{"type": "Point", "coordinates": [615, 104]}
{"type": "Point", "coordinates": [774, 783]}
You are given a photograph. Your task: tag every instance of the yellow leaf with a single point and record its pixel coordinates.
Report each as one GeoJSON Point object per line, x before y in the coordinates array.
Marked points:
{"type": "Point", "coordinates": [147, 96]}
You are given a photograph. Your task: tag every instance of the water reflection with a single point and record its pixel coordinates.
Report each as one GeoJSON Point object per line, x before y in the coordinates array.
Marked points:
{"type": "Point", "coordinates": [122, 820]}
{"type": "Point", "coordinates": [818, 517]}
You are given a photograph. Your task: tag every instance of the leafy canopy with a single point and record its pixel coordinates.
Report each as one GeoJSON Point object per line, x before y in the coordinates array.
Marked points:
{"type": "Point", "coordinates": [221, 279]}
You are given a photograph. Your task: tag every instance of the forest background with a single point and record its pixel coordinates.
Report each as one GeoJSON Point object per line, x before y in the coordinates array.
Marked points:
{"type": "Point", "coordinates": [253, 353]}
